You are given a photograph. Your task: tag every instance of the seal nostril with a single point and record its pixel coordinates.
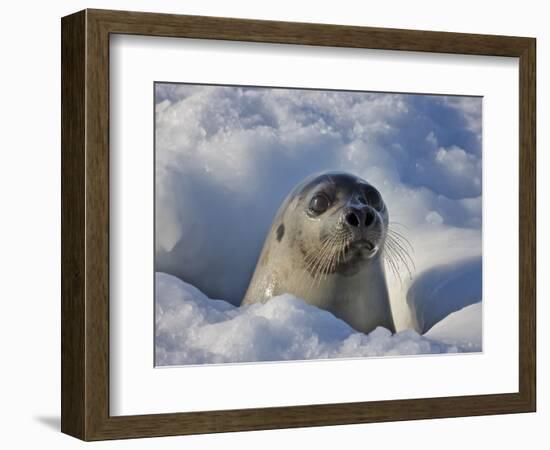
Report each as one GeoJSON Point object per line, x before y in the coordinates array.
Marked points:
{"type": "Point", "coordinates": [369, 218]}
{"type": "Point", "coordinates": [352, 219]}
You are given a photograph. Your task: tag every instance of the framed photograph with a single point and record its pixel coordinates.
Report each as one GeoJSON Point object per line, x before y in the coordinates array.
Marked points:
{"type": "Point", "coordinates": [273, 224]}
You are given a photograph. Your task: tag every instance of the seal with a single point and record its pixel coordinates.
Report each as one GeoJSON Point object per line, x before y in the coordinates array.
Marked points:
{"type": "Point", "coordinates": [326, 247]}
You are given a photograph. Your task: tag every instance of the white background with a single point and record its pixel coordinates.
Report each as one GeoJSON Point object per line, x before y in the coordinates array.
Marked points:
{"type": "Point", "coordinates": [30, 234]}
{"type": "Point", "coordinates": [136, 387]}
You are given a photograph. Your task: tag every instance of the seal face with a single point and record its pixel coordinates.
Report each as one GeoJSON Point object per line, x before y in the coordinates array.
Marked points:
{"type": "Point", "coordinates": [325, 247]}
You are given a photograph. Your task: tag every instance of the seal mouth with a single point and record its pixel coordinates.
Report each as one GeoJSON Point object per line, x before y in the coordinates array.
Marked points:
{"type": "Point", "coordinates": [362, 244]}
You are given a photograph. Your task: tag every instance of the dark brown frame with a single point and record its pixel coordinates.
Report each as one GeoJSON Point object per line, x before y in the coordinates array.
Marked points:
{"type": "Point", "coordinates": [85, 224]}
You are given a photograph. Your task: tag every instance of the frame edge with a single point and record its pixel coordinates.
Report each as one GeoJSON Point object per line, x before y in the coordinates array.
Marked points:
{"type": "Point", "coordinates": [73, 225]}
{"type": "Point", "coordinates": [528, 224]}
{"type": "Point", "coordinates": [306, 33]}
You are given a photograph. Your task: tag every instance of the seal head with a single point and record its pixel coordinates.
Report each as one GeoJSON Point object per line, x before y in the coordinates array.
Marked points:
{"type": "Point", "coordinates": [325, 247]}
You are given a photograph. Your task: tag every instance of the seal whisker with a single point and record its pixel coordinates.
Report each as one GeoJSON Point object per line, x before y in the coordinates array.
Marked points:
{"type": "Point", "coordinates": [334, 253]}
{"type": "Point", "coordinates": [320, 262]}
{"type": "Point", "coordinates": [402, 256]}
{"type": "Point", "coordinates": [395, 249]}
{"type": "Point", "coordinates": [314, 257]}
{"type": "Point", "coordinates": [399, 224]}
{"type": "Point", "coordinates": [339, 250]}
{"type": "Point", "coordinates": [323, 254]}
{"type": "Point", "coordinates": [401, 238]}
{"type": "Point", "coordinates": [389, 257]}
{"type": "Point", "coordinates": [325, 266]}
{"type": "Point", "coordinates": [331, 258]}
{"type": "Point", "coordinates": [342, 248]}
{"type": "Point", "coordinates": [402, 249]}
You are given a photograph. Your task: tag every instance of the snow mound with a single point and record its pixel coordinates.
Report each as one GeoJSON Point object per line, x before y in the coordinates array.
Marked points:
{"type": "Point", "coordinates": [444, 289]}
{"type": "Point", "coordinates": [461, 328]}
{"type": "Point", "coordinates": [193, 329]}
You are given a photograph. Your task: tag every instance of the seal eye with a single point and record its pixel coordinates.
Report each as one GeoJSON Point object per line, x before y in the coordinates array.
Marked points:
{"type": "Point", "coordinates": [374, 198]}
{"type": "Point", "coordinates": [319, 204]}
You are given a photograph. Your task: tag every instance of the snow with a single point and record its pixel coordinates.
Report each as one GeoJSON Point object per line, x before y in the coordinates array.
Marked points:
{"type": "Point", "coordinates": [442, 290]}
{"type": "Point", "coordinates": [461, 328]}
{"type": "Point", "coordinates": [227, 156]}
{"type": "Point", "coordinates": [190, 328]}
{"type": "Point", "coordinates": [225, 159]}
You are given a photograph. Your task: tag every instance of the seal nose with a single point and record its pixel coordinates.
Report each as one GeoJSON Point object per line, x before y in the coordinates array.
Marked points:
{"type": "Point", "coordinates": [352, 219]}
{"type": "Point", "coordinates": [358, 218]}
{"type": "Point", "coordinates": [369, 218]}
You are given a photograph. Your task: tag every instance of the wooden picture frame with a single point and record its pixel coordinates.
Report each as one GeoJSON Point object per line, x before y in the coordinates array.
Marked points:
{"type": "Point", "coordinates": [85, 224]}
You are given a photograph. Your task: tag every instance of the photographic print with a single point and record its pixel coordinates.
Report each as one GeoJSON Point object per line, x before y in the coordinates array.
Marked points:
{"type": "Point", "coordinates": [259, 219]}
{"type": "Point", "coordinates": [299, 224]}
